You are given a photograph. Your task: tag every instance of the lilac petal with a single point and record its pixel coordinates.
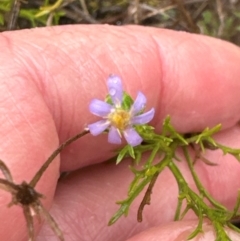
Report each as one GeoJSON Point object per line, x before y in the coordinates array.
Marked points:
{"type": "Point", "coordinates": [100, 108]}
{"type": "Point", "coordinates": [132, 137]}
{"type": "Point", "coordinates": [98, 127]}
{"type": "Point", "coordinates": [139, 103]}
{"type": "Point", "coordinates": [114, 136]}
{"type": "Point", "coordinates": [115, 89]}
{"type": "Point", "coordinates": [143, 118]}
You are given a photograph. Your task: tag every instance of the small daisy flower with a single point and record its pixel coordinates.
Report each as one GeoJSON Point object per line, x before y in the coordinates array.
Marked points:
{"type": "Point", "coordinates": [118, 117]}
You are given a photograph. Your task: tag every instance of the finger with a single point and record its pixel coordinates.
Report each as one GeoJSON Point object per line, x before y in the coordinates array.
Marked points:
{"type": "Point", "coordinates": [181, 230]}
{"type": "Point", "coordinates": [28, 136]}
{"type": "Point", "coordinates": [69, 65]}
{"type": "Point", "coordinates": [85, 200]}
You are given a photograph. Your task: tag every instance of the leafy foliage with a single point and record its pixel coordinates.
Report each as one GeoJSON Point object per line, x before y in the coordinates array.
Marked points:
{"type": "Point", "coordinates": [164, 146]}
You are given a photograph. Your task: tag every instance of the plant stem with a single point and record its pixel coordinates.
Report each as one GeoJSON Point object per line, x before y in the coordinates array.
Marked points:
{"type": "Point", "coordinates": [198, 183]}
{"type": "Point", "coordinates": [43, 168]}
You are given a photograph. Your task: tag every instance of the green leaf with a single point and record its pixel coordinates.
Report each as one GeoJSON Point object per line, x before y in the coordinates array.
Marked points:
{"type": "Point", "coordinates": [207, 16]}
{"type": "Point", "coordinates": [127, 101]}
{"type": "Point", "coordinates": [122, 211]}
{"type": "Point", "coordinates": [1, 20]}
{"type": "Point", "coordinates": [108, 99]}
{"type": "Point", "coordinates": [126, 104]}
{"type": "Point", "coordinates": [122, 154]}
{"type": "Point", "coordinates": [164, 146]}
{"type": "Point", "coordinates": [237, 14]}
{"type": "Point", "coordinates": [131, 151]}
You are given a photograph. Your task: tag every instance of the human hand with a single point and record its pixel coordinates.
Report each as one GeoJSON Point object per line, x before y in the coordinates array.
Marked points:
{"type": "Point", "coordinates": [48, 78]}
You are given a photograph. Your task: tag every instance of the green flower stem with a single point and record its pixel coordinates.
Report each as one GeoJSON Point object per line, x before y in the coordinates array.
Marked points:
{"type": "Point", "coordinates": [218, 216]}
{"type": "Point", "coordinates": [147, 176]}
{"type": "Point", "coordinates": [186, 193]}
{"type": "Point", "coordinates": [236, 208]}
{"type": "Point", "coordinates": [48, 9]}
{"type": "Point", "coordinates": [125, 204]}
{"type": "Point", "coordinates": [233, 227]}
{"type": "Point", "coordinates": [198, 183]}
{"type": "Point", "coordinates": [152, 156]}
{"type": "Point", "coordinates": [220, 232]}
{"type": "Point", "coordinates": [228, 150]}
{"type": "Point", "coordinates": [178, 210]}
{"type": "Point", "coordinates": [165, 146]}
{"type": "Point", "coordinates": [235, 215]}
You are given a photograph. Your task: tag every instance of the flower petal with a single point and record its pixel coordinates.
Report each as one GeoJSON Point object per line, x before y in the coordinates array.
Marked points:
{"type": "Point", "coordinates": [100, 108]}
{"type": "Point", "coordinates": [98, 127]}
{"type": "Point", "coordinates": [143, 118]}
{"type": "Point", "coordinates": [139, 104]}
{"type": "Point", "coordinates": [115, 89]}
{"type": "Point", "coordinates": [132, 137]}
{"type": "Point", "coordinates": [114, 136]}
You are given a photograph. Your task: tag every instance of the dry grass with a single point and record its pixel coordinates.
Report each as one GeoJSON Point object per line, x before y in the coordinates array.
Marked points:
{"type": "Point", "coordinates": [218, 18]}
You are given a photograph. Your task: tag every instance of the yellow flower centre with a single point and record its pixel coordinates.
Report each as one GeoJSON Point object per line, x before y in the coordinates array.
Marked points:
{"type": "Point", "coordinates": [119, 119]}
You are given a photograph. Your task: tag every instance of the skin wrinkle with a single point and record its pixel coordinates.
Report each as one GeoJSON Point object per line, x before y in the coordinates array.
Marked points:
{"type": "Point", "coordinates": [140, 44]}
{"type": "Point", "coordinates": [212, 187]}
{"type": "Point", "coordinates": [15, 128]}
{"type": "Point", "coordinates": [29, 67]}
{"type": "Point", "coordinates": [26, 62]}
{"type": "Point", "coordinates": [82, 66]}
{"type": "Point", "coordinates": [32, 67]}
{"type": "Point", "coordinates": [133, 230]}
{"type": "Point", "coordinates": [22, 114]}
{"type": "Point", "coordinates": [164, 81]}
{"type": "Point", "coordinates": [58, 108]}
{"type": "Point", "coordinates": [138, 73]}
{"type": "Point", "coordinates": [56, 103]}
{"type": "Point", "coordinates": [129, 57]}
{"type": "Point", "coordinates": [48, 79]}
{"type": "Point", "coordinates": [206, 181]}
{"type": "Point", "coordinates": [78, 221]}
{"type": "Point", "coordinates": [93, 198]}
{"type": "Point", "coordinates": [168, 61]}
{"type": "Point", "coordinates": [176, 60]}
{"type": "Point", "coordinates": [155, 230]}
{"type": "Point", "coordinates": [59, 102]}
{"type": "Point", "coordinates": [24, 98]}
{"type": "Point", "coordinates": [187, 228]}
{"type": "Point", "coordinates": [61, 215]}
{"type": "Point", "coordinates": [161, 77]}
{"type": "Point", "coordinates": [225, 138]}
{"type": "Point", "coordinates": [6, 43]}
{"type": "Point", "coordinates": [113, 59]}
{"type": "Point", "coordinates": [94, 57]}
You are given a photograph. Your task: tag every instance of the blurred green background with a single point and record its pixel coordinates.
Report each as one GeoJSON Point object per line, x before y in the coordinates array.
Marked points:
{"type": "Point", "coordinates": [218, 18]}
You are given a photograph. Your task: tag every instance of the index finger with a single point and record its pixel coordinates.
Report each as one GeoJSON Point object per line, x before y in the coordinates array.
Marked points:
{"type": "Point", "coordinates": [192, 78]}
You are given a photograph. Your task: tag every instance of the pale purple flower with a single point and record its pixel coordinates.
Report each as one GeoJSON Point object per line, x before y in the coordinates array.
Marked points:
{"type": "Point", "coordinates": [116, 119]}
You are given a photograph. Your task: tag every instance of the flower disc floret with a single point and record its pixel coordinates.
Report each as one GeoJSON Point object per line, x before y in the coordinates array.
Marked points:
{"type": "Point", "coordinates": [120, 119]}
{"type": "Point", "coordinates": [116, 118]}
